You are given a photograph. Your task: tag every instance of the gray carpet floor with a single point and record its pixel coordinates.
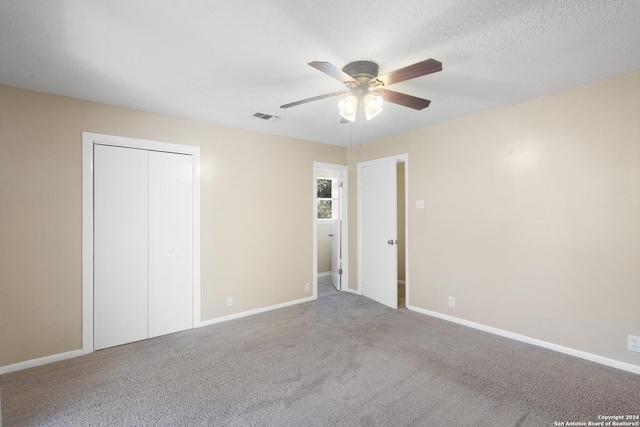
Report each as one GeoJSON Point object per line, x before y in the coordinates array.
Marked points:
{"type": "Point", "coordinates": [325, 287]}
{"type": "Point", "coordinates": [342, 360]}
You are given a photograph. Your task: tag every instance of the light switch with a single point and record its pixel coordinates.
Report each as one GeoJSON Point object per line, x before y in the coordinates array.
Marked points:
{"type": "Point", "coordinates": [419, 204]}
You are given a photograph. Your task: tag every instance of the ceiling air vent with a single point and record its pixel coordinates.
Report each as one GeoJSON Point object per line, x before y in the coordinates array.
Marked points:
{"type": "Point", "coordinates": [264, 116]}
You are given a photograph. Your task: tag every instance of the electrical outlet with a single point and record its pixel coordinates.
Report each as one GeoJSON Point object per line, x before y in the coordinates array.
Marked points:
{"type": "Point", "coordinates": [634, 343]}
{"type": "Point", "coordinates": [452, 302]}
{"type": "Point", "coordinates": [229, 301]}
{"type": "Point", "coordinates": [307, 287]}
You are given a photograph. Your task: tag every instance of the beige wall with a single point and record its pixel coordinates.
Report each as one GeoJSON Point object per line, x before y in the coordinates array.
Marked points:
{"type": "Point", "coordinates": [40, 214]}
{"type": "Point", "coordinates": [532, 217]}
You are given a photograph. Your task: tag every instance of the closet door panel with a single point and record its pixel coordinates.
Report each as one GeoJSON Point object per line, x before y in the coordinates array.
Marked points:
{"type": "Point", "coordinates": [120, 245]}
{"type": "Point", "coordinates": [170, 243]}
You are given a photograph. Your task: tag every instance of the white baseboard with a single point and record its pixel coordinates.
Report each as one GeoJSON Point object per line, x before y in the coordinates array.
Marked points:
{"type": "Point", "coordinates": [325, 274]}
{"type": "Point", "coordinates": [252, 312]}
{"type": "Point", "coordinates": [38, 362]}
{"type": "Point", "coordinates": [635, 369]}
{"type": "Point", "coordinates": [75, 353]}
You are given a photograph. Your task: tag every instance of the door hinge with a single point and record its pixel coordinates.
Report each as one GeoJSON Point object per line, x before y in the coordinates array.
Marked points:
{"type": "Point", "coordinates": [340, 184]}
{"type": "Point", "coordinates": [340, 271]}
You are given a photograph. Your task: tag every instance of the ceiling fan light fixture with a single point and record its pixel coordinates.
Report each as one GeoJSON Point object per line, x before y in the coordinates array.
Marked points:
{"type": "Point", "coordinates": [372, 105]}
{"type": "Point", "coordinates": [348, 107]}
{"type": "Point", "coordinates": [361, 77]}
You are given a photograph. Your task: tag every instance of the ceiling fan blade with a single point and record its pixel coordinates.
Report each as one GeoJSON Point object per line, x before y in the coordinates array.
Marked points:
{"type": "Point", "coordinates": [315, 98]}
{"type": "Point", "coordinates": [418, 69]}
{"type": "Point", "coordinates": [404, 100]}
{"type": "Point", "coordinates": [334, 72]}
{"type": "Point", "coordinates": [343, 121]}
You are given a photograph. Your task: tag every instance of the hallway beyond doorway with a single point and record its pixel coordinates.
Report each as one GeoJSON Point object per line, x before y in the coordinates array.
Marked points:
{"type": "Point", "coordinates": [325, 287]}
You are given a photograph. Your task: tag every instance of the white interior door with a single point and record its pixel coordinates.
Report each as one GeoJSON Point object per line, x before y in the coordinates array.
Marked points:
{"type": "Point", "coordinates": [170, 243]}
{"type": "Point", "coordinates": [378, 219]}
{"type": "Point", "coordinates": [120, 245]}
{"type": "Point", "coordinates": [336, 242]}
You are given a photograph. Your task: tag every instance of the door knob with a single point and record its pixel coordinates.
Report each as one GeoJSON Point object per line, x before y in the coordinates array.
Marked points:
{"type": "Point", "coordinates": [391, 242]}
{"type": "Point", "coordinates": [330, 235]}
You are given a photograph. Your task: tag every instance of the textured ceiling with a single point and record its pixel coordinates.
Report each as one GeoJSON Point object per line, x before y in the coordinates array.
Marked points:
{"type": "Point", "coordinates": [221, 62]}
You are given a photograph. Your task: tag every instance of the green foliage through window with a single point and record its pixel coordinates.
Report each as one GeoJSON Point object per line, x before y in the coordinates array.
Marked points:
{"type": "Point", "coordinates": [324, 198]}
{"type": "Point", "coordinates": [324, 188]}
{"type": "Point", "coordinates": [324, 209]}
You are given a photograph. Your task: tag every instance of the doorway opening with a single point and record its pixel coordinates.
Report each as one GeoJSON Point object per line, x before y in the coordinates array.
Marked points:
{"type": "Point", "coordinates": [382, 237]}
{"type": "Point", "coordinates": [401, 197]}
{"type": "Point", "coordinates": [330, 228]}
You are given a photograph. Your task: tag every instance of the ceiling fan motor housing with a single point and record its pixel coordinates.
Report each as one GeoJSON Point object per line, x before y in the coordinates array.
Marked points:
{"type": "Point", "coordinates": [362, 71]}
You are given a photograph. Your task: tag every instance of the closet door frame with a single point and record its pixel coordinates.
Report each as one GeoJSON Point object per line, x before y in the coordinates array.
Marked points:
{"type": "Point", "coordinates": [89, 140]}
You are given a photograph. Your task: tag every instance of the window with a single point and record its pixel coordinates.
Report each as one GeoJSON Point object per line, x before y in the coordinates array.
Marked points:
{"type": "Point", "coordinates": [324, 198]}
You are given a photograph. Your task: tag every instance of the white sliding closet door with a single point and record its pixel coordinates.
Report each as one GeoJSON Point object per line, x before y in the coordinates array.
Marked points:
{"type": "Point", "coordinates": [143, 244]}
{"type": "Point", "coordinates": [120, 245]}
{"type": "Point", "coordinates": [170, 243]}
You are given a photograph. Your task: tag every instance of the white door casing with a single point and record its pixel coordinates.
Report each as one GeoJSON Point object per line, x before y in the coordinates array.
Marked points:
{"type": "Point", "coordinates": [89, 142]}
{"type": "Point", "coordinates": [344, 242]}
{"type": "Point", "coordinates": [336, 238]}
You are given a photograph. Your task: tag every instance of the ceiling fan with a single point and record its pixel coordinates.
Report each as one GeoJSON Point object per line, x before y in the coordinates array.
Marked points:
{"type": "Point", "coordinates": [367, 89]}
